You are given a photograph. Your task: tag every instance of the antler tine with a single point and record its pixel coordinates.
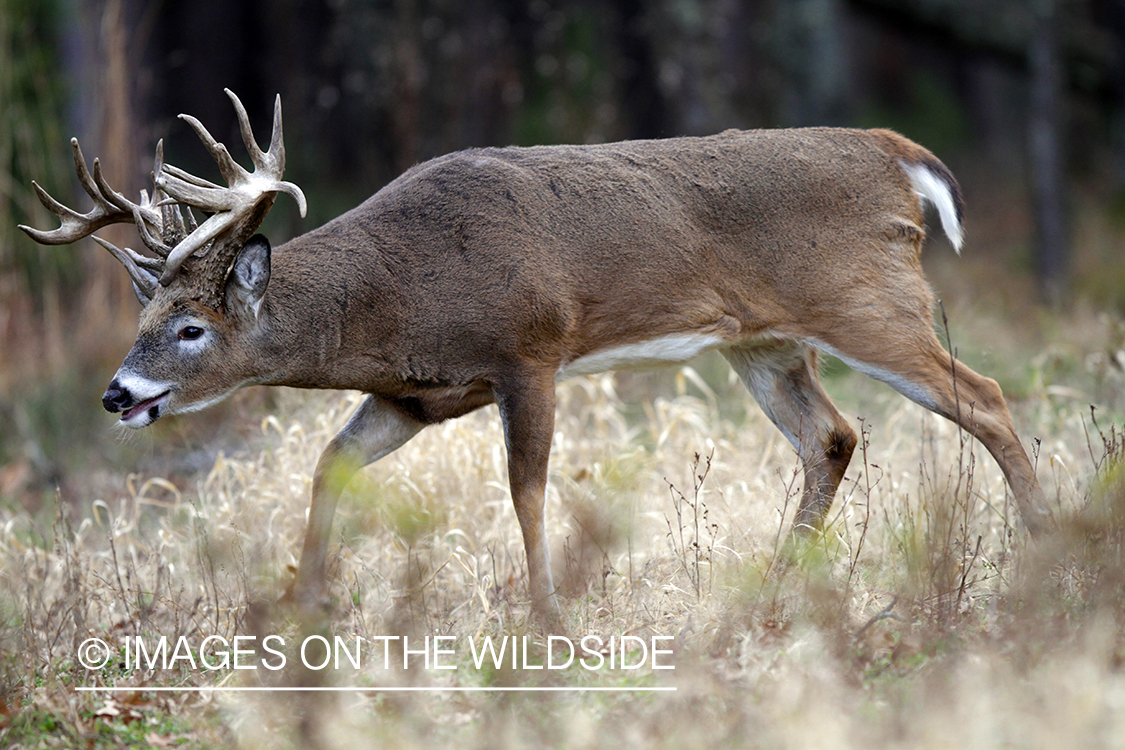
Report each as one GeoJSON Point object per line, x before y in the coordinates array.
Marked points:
{"type": "Point", "coordinates": [277, 143]}
{"type": "Point", "coordinates": [84, 177]}
{"type": "Point", "coordinates": [158, 196]}
{"type": "Point", "coordinates": [277, 154]}
{"type": "Point", "coordinates": [111, 196]}
{"type": "Point", "coordinates": [189, 178]}
{"type": "Point", "coordinates": [154, 238]}
{"type": "Point", "coordinates": [229, 168]}
{"type": "Point", "coordinates": [135, 258]}
{"type": "Point", "coordinates": [140, 269]}
{"type": "Point", "coordinates": [72, 221]}
{"type": "Point", "coordinates": [260, 159]}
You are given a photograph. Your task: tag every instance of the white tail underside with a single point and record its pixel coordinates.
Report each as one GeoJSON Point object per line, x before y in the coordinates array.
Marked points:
{"type": "Point", "coordinates": [937, 193]}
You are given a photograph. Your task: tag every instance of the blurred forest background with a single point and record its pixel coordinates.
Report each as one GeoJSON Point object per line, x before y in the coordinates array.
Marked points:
{"type": "Point", "coordinates": [1024, 99]}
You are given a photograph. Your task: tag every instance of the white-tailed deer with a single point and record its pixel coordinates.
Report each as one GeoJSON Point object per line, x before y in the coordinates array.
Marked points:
{"type": "Point", "coordinates": [489, 275]}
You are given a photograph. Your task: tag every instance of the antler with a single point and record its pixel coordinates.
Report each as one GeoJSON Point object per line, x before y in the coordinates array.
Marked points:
{"type": "Point", "coordinates": [110, 207]}
{"type": "Point", "coordinates": [233, 207]}
{"type": "Point", "coordinates": [236, 210]}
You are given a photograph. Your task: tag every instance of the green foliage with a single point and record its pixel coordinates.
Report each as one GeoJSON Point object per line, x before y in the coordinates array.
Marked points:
{"type": "Point", "coordinates": [33, 90]}
{"type": "Point", "coordinates": [107, 727]}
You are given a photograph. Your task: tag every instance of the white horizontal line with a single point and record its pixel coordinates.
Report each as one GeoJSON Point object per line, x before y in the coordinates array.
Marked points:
{"type": "Point", "coordinates": [411, 689]}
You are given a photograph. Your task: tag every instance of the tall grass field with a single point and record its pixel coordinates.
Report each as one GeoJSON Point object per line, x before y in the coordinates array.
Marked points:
{"type": "Point", "coordinates": [923, 616]}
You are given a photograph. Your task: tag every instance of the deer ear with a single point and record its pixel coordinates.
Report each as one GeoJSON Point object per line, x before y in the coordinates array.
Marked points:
{"type": "Point", "coordinates": [251, 273]}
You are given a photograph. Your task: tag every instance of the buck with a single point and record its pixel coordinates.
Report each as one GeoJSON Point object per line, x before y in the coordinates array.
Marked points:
{"type": "Point", "coordinates": [489, 275]}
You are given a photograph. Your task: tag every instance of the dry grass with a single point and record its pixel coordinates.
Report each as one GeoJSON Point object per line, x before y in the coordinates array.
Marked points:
{"type": "Point", "coordinates": [919, 619]}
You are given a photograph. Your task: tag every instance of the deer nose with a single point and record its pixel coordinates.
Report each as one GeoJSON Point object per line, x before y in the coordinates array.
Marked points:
{"type": "Point", "coordinates": [116, 397]}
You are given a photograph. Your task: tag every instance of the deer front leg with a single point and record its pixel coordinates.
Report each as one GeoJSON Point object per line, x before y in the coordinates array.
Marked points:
{"type": "Point", "coordinates": [527, 408]}
{"type": "Point", "coordinates": [376, 429]}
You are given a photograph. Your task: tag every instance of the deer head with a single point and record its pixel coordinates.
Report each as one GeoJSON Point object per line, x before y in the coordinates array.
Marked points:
{"type": "Point", "coordinates": [203, 290]}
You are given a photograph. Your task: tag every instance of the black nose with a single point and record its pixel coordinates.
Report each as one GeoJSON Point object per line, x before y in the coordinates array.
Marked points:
{"type": "Point", "coordinates": [116, 398]}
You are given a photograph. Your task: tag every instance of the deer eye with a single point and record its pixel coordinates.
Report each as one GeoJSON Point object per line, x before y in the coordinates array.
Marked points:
{"type": "Point", "coordinates": [190, 333]}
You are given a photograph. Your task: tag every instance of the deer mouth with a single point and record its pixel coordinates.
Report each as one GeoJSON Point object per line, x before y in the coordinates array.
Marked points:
{"type": "Point", "coordinates": [146, 412]}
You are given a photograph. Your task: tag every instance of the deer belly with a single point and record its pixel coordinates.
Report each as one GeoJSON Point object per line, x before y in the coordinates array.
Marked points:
{"type": "Point", "coordinates": [672, 349]}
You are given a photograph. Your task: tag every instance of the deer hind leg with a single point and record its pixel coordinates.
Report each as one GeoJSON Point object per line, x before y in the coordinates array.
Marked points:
{"type": "Point", "coordinates": [374, 430]}
{"type": "Point", "coordinates": [917, 366]}
{"type": "Point", "coordinates": [527, 409]}
{"type": "Point", "coordinates": [783, 379]}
